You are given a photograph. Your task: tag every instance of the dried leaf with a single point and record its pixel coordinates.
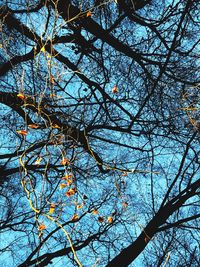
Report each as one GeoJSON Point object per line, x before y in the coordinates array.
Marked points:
{"type": "Point", "coordinates": [38, 160]}
{"type": "Point", "coordinates": [68, 176]}
{"type": "Point", "coordinates": [74, 217]}
{"type": "Point", "coordinates": [100, 219]}
{"type": "Point", "coordinates": [115, 90]}
{"type": "Point", "coordinates": [65, 161]}
{"type": "Point", "coordinates": [52, 95]}
{"type": "Point", "coordinates": [21, 96]}
{"type": "Point", "coordinates": [51, 210]}
{"type": "Point", "coordinates": [110, 219]}
{"type": "Point", "coordinates": [68, 179]}
{"type": "Point", "coordinates": [69, 182]}
{"type": "Point", "coordinates": [89, 14]}
{"type": "Point", "coordinates": [62, 186]}
{"type": "Point", "coordinates": [22, 132]}
{"type": "Point", "coordinates": [52, 79]}
{"type": "Point", "coordinates": [95, 211]}
{"type": "Point", "coordinates": [41, 227]}
{"type": "Point", "coordinates": [43, 49]}
{"type": "Point", "coordinates": [33, 126]}
{"type": "Point", "coordinates": [55, 126]}
{"type": "Point", "coordinates": [80, 206]}
{"type": "Point", "coordinates": [71, 191]}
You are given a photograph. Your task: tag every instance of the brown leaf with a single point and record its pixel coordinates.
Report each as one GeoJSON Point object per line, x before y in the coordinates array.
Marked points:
{"type": "Point", "coordinates": [51, 210]}
{"type": "Point", "coordinates": [110, 219]}
{"type": "Point", "coordinates": [74, 217]}
{"type": "Point", "coordinates": [70, 192]}
{"type": "Point", "coordinates": [21, 96]}
{"type": "Point", "coordinates": [22, 132]}
{"type": "Point", "coordinates": [95, 211]}
{"type": "Point", "coordinates": [33, 126]}
{"type": "Point", "coordinates": [80, 206]}
{"type": "Point", "coordinates": [115, 90]}
{"type": "Point", "coordinates": [65, 161]}
{"type": "Point", "coordinates": [89, 14]}
{"type": "Point", "coordinates": [62, 186]}
{"type": "Point", "coordinates": [41, 227]}
{"type": "Point", "coordinates": [38, 160]}
{"type": "Point", "coordinates": [55, 126]}
{"type": "Point", "coordinates": [100, 219]}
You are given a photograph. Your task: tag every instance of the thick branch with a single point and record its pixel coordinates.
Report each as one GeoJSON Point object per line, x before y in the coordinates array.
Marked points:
{"type": "Point", "coordinates": [130, 253]}
{"type": "Point", "coordinates": [11, 100]}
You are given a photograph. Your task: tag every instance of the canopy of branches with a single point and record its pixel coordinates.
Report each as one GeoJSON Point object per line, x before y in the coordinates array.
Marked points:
{"type": "Point", "coordinates": [99, 136]}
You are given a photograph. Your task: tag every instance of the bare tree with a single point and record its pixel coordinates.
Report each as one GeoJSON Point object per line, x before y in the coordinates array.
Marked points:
{"type": "Point", "coordinates": [99, 155]}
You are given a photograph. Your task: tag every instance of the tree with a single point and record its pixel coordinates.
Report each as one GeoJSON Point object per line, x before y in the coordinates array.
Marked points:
{"type": "Point", "coordinates": [99, 133]}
